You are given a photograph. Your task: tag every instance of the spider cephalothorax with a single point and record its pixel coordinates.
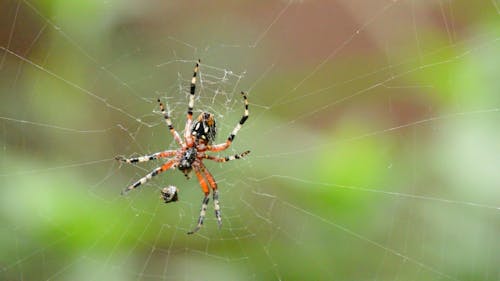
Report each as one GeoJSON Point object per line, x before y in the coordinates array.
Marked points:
{"type": "Point", "coordinates": [187, 160]}
{"type": "Point", "coordinates": [197, 140]}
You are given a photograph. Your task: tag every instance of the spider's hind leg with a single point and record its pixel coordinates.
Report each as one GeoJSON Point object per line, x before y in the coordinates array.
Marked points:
{"type": "Point", "coordinates": [215, 191]}
{"type": "Point", "coordinates": [204, 203]}
{"type": "Point", "coordinates": [203, 211]}
{"type": "Point", "coordinates": [217, 208]}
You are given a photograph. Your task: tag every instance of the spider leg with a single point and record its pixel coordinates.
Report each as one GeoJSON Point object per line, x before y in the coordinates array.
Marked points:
{"type": "Point", "coordinates": [169, 123]}
{"type": "Point", "coordinates": [149, 176]}
{"type": "Point", "coordinates": [204, 203]}
{"type": "Point", "coordinates": [187, 129]}
{"type": "Point", "coordinates": [223, 146]}
{"type": "Point", "coordinates": [217, 207]}
{"type": "Point", "coordinates": [162, 154]}
{"type": "Point", "coordinates": [227, 158]}
{"type": "Point", "coordinates": [213, 185]}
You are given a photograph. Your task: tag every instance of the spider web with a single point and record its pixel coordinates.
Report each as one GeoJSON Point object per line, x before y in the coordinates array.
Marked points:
{"type": "Point", "coordinates": [373, 129]}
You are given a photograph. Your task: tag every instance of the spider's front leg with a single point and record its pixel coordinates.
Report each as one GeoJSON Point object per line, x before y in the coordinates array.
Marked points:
{"type": "Point", "coordinates": [169, 124]}
{"type": "Point", "coordinates": [145, 158]}
{"type": "Point", "coordinates": [192, 90]}
{"type": "Point", "coordinates": [224, 146]}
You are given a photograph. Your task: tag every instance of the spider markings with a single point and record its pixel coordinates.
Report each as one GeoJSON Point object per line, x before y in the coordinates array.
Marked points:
{"type": "Point", "coordinates": [204, 128]}
{"type": "Point", "coordinates": [198, 138]}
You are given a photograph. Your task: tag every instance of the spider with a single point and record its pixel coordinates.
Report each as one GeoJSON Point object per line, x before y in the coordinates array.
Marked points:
{"type": "Point", "coordinates": [198, 138]}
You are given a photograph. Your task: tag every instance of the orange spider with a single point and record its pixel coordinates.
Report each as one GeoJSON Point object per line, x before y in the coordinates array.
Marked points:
{"type": "Point", "coordinates": [198, 138]}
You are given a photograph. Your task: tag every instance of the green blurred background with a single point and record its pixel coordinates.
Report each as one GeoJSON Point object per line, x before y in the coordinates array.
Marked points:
{"type": "Point", "coordinates": [374, 136]}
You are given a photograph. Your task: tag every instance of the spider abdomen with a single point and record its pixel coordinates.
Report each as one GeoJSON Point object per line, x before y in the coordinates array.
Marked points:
{"type": "Point", "coordinates": [204, 129]}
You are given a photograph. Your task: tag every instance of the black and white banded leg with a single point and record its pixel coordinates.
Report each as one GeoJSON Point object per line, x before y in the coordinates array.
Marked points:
{"type": "Point", "coordinates": [213, 185]}
{"type": "Point", "coordinates": [227, 158]}
{"type": "Point", "coordinates": [176, 135]}
{"type": "Point", "coordinates": [149, 176]}
{"type": "Point", "coordinates": [145, 158]}
{"type": "Point", "coordinates": [203, 212]}
{"type": "Point", "coordinates": [223, 146]}
{"type": "Point", "coordinates": [192, 90]}
{"type": "Point", "coordinates": [217, 207]}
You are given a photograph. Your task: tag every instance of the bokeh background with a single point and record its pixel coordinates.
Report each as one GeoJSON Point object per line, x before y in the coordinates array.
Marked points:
{"type": "Point", "coordinates": [374, 133]}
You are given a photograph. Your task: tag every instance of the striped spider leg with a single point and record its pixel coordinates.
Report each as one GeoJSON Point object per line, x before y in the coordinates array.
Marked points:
{"type": "Point", "coordinates": [204, 203]}
{"type": "Point", "coordinates": [227, 158]}
{"type": "Point", "coordinates": [227, 144]}
{"type": "Point", "coordinates": [189, 116]}
{"type": "Point", "coordinates": [153, 173]}
{"type": "Point", "coordinates": [176, 136]}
